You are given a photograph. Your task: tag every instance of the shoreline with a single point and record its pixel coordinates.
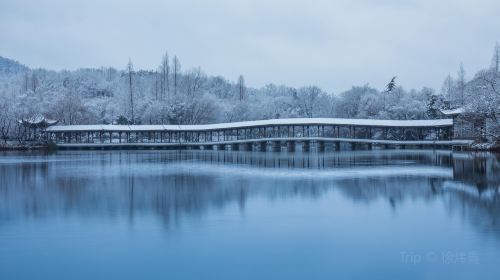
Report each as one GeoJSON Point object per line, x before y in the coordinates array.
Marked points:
{"type": "Point", "coordinates": [485, 147]}
{"type": "Point", "coordinates": [23, 147]}
{"type": "Point", "coordinates": [40, 147]}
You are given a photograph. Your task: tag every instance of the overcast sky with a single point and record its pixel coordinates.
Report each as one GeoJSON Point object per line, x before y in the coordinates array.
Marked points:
{"type": "Point", "coordinates": [330, 43]}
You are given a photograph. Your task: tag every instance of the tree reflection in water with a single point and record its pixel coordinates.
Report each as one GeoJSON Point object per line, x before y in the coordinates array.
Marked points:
{"type": "Point", "coordinates": [189, 184]}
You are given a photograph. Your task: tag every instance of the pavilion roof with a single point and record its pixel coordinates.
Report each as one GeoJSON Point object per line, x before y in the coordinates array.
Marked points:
{"type": "Point", "coordinates": [38, 121]}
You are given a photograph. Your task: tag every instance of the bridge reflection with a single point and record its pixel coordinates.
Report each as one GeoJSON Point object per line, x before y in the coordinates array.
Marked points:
{"type": "Point", "coordinates": [178, 184]}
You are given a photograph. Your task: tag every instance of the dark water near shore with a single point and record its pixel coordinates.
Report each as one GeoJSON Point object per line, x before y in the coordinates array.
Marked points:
{"type": "Point", "coordinates": [398, 214]}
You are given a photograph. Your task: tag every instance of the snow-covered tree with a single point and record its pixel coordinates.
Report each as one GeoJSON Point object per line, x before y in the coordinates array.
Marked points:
{"type": "Point", "coordinates": [108, 95]}
{"type": "Point", "coordinates": [130, 73]}
{"type": "Point", "coordinates": [165, 76]}
{"type": "Point", "coordinates": [176, 65]}
{"type": "Point", "coordinates": [484, 99]}
{"type": "Point", "coordinates": [241, 87]}
{"type": "Point", "coordinates": [495, 60]}
{"type": "Point", "coordinates": [461, 82]}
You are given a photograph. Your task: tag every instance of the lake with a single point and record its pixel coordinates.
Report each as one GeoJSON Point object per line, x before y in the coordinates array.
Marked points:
{"type": "Point", "coordinates": [388, 214]}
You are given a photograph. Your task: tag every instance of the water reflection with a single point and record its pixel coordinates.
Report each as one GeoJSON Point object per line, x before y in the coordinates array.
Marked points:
{"type": "Point", "coordinates": [176, 185]}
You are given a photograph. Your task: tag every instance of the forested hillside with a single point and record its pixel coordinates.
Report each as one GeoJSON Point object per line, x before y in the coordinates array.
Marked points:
{"type": "Point", "coordinates": [172, 95]}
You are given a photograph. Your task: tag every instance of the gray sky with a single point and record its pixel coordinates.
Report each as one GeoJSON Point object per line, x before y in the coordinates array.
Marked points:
{"type": "Point", "coordinates": [330, 43]}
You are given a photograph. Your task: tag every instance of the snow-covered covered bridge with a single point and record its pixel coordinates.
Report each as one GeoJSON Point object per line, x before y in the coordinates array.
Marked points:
{"type": "Point", "coordinates": [262, 134]}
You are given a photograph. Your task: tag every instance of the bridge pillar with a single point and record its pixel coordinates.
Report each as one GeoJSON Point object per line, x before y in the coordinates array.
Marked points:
{"type": "Point", "coordinates": [353, 146]}
{"type": "Point", "coordinates": [245, 147]}
{"type": "Point", "coordinates": [255, 146]}
{"type": "Point", "coordinates": [221, 147]}
{"type": "Point", "coordinates": [321, 146]}
{"type": "Point", "coordinates": [276, 146]}
{"type": "Point", "coordinates": [337, 146]}
{"type": "Point", "coordinates": [306, 146]}
{"type": "Point", "coordinates": [262, 146]}
{"type": "Point", "coordinates": [290, 146]}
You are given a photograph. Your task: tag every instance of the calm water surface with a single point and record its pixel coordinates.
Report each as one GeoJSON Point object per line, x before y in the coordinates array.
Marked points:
{"type": "Point", "coordinates": [235, 215]}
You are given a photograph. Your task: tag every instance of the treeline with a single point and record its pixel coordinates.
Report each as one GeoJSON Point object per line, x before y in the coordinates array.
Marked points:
{"type": "Point", "coordinates": [171, 95]}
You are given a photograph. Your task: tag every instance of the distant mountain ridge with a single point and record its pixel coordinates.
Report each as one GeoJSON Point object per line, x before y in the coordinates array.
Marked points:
{"type": "Point", "coordinates": [10, 66]}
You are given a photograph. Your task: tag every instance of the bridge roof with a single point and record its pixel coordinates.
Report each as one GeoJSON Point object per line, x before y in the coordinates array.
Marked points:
{"type": "Point", "coordinates": [259, 123]}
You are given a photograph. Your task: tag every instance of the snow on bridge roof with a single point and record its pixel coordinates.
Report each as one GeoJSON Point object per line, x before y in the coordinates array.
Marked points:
{"type": "Point", "coordinates": [259, 123]}
{"type": "Point", "coordinates": [452, 112]}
